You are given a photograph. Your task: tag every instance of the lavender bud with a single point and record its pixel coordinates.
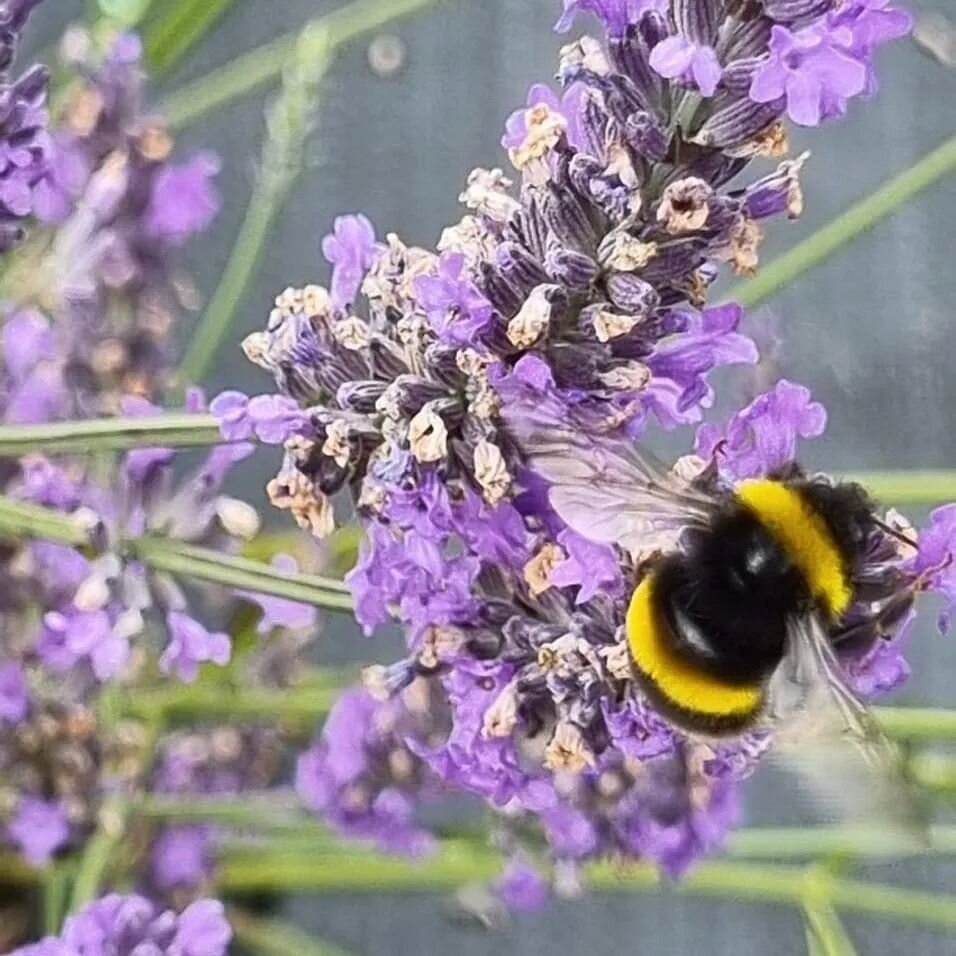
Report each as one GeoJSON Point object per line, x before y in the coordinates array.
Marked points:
{"type": "Point", "coordinates": [697, 19]}
{"type": "Point", "coordinates": [737, 122]}
{"type": "Point", "coordinates": [631, 55]}
{"type": "Point", "coordinates": [505, 298]}
{"type": "Point", "coordinates": [573, 269]}
{"type": "Point", "coordinates": [568, 220]}
{"type": "Point", "coordinates": [646, 136]}
{"type": "Point", "coordinates": [519, 267]}
{"type": "Point", "coordinates": [749, 39]}
{"type": "Point", "coordinates": [787, 11]}
{"type": "Point", "coordinates": [360, 396]}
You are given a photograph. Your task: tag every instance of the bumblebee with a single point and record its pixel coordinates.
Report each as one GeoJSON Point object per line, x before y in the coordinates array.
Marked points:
{"type": "Point", "coordinates": [732, 623]}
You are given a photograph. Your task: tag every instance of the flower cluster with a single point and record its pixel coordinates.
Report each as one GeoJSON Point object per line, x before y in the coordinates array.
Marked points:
{"type": "Point", "coordinates": [362, 774]}
{"type": "Point", "coordinates": [132, 924]}
{"type": "Point", "coordinates": [25, 147]}
{"type": "Point", "coordinates": [581, 297]}
{"type": "Point", "coordinates": [116, 206]}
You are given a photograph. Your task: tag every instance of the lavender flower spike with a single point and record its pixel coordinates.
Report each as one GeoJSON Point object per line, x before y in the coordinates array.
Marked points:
{"type": "Point", "coordinates": [24, 142]}
{"type": "Point", "coordinates": [575, 300]}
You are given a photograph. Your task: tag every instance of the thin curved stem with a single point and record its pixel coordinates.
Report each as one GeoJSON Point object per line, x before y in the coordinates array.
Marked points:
{"type": "Point", "coordinates": [169, 430]}
{"type": "Point", "coordinates": [264, 65]}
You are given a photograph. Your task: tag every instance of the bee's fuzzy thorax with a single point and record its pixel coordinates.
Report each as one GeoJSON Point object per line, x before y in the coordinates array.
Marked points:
{"type": "Point", "coordinates": [793, 519]}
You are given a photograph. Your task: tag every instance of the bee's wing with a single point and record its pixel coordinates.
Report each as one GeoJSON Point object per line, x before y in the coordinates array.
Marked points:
{"type": "Point", "coordinates": [608, 489]}
{"type": "Point", "coordinates": [827, 736]}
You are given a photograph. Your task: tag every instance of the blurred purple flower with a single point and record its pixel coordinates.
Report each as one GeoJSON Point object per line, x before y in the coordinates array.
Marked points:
{"type": "Point", "coordinates": [521, 887]}
{"type": "Point", "coordinates": [71, 636]}
{"type": "Point", "coordinates": [181, 857]}
{"type": "Point", "coordinates": [350, 249]}
{"type": "Point", "coordinates": [14, 695]}
{"type": "Point", "coordinates": [38, 829]}
{"type": "Point", "coordinates": [936, 557]}
{"type": "Point", "coordinates": [763, 437]}
{"type": "Point", "coordinates": [281, 612]}
{"type": "Point", "coordinates": [135, 926]}
{"type": "Point", "coordinates": [190, 645]}
{"type": "Point", "coordinates": [184, 200]}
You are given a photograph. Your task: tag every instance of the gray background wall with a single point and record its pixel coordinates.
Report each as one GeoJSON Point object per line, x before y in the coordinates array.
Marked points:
{"type": "Point", "coordinates": [871, 331]}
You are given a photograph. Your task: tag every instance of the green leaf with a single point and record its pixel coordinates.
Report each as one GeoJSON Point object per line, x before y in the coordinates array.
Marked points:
{"type": "Point", "coordinates": [264, 65]}
{"type": "Point", "coordinates": [274, 937]}
{"type": "Point", "coordinates": [289, 124]}
{"type": "Point", "coordinates": [184, 24]}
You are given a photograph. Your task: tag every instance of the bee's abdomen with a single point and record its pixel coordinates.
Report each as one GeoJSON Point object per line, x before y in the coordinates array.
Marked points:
{"type": "Point", "coordinates": [692, 695]}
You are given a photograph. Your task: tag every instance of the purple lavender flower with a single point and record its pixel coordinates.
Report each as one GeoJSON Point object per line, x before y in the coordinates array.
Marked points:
{"type": "Point", "coordinates": [455, 308]}
{"type": "Point", "coordinates": [763, 437]}
{"type": "Point", "coordinates": [38, 829]}
{"type": "Point", "coordinates": [350, 249]}
{"type": "Point", "coordinates": [270, 418]}
{"type": "Point", "coordinates": [73, 636]}
{"type": "Point", "coordinates": [593, 567]}
{"type": "Point", "coordinates": [578, 300]}
{"type": "Point", "coordinates": [568, 107]}
{"type": "Point", "coordinates": [127, 925]}
{"type": "Point", "coordinates": [191, 645]}
{"type": "Point", "coordinates": [616, 14]}
{"type": "Point", "coordinates": [812, 70]}
{"type": "Point", "coordinates": [676, 57]}
{"type": "Point", "coordinates": [14, 695]}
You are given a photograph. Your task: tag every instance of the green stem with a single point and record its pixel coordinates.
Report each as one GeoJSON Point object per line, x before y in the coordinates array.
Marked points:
{"type": "Point", "coordinates": [252, 872]}
{"type": "Point", "coordinates": [860, 217]}
{"type": "Point", "coordinates": [777, 843]}
{"type": "Point", "coordinates": [215, 567]}
{"type": "Point", "coordinates": [289, 122]}
{"type": "Point", "coordinates": [99, 852]}
{"type": "Point", "coordinates": [265, 64]}
{"type": "Point", "coordinates": [273, 937]}
{"type": "Point", "coordinates": [922, 487]}
{"type": "Point", "coordinates": [185, 23]}
{"type": "Point", "coordinates": [55, 883]}
{"type": "Point", "coordinates": [21, 520]}
{"type": "Point", "coordinates": [301, 707]}
{"type": "Point", "coordinates": [918, 723]}
{"type": "Point", "coordinates": [826, 934]}
{"type": "Point", "coordinates": [935, 772]}
{"type": "Point", "coordinates": [172, 430]}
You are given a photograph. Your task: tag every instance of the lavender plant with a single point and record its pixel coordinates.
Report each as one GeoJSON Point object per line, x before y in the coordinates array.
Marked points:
{"type": "Point", "coordinates": [581, 297]}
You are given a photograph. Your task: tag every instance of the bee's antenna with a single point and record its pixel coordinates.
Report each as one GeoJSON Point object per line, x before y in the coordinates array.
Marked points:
{"type": "Point", "coordinates": [890, 530]}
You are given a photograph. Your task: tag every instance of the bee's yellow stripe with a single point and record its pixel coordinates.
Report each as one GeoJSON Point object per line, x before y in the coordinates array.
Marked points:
{"type": "Point", "coordinates": [803, 534]}
{"type": "Point", "coordinates": [680, 682]}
